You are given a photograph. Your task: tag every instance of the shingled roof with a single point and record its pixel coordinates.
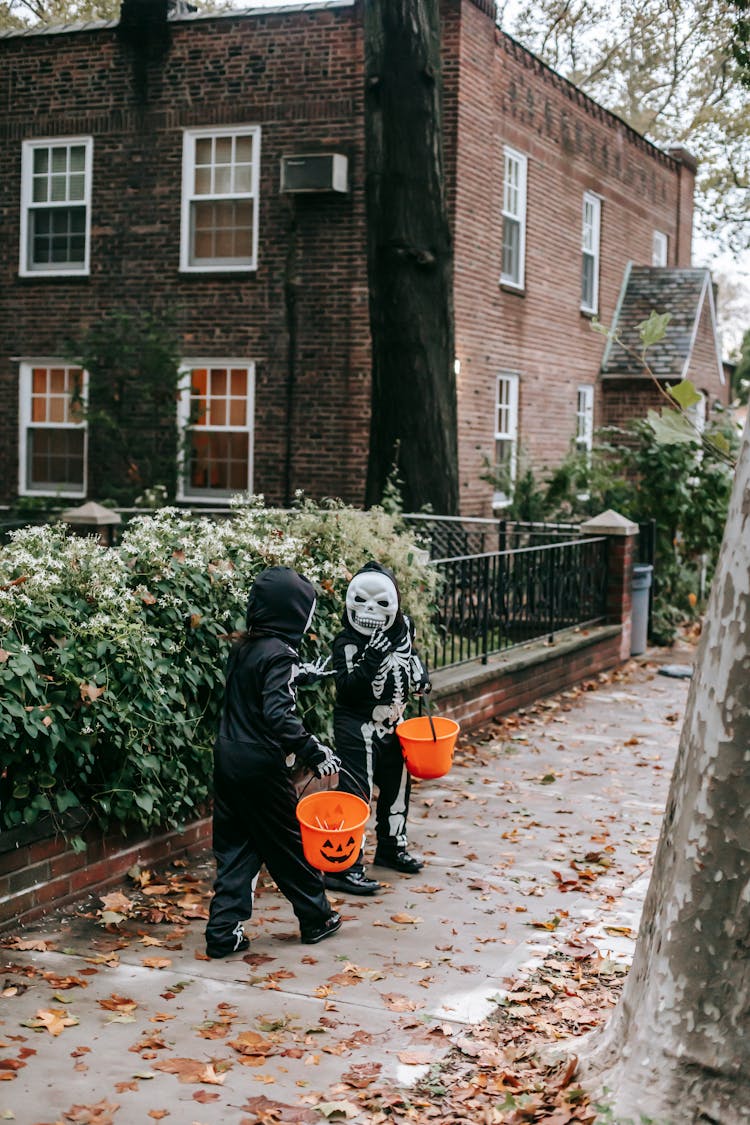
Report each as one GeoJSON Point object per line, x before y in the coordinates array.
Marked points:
{"type": "Point", "coordinates": [683, 294]}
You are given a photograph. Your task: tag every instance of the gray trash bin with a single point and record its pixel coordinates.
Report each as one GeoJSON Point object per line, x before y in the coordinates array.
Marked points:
{"type": "Point", "coordinates": [640, 590]}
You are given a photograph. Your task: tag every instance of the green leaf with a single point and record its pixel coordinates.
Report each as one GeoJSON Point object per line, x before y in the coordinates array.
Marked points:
{"type": "Point", "coordinates": [45, 781]}
{"type": "Point", "coordinates": [654, 329]}
{"type": "Point", "coordinates": [685, 394]}
{"type": "Point", "coordinates": [21, 791]}
{"type": "Point", "coordinates": [720, 442]}
{"type": "Point", "coordinates": [671, 428]}
{"type": "Point", "coordinates": [144, 801]}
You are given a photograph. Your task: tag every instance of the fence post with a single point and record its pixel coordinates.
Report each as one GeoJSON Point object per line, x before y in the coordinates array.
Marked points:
{"type": "Point", "coordinates": [622, 534]}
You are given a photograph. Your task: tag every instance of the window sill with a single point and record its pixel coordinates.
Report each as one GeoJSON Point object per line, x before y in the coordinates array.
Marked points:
{"type": "Point", "coordinates": [516, 290]}
{"type": "Point", "coordinates": [43, 276]}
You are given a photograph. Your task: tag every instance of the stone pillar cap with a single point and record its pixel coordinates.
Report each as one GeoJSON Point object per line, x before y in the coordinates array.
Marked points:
{"type": "Point", "coordinates": [91, 515]}
{"type": "Point", "coordinates": [610, 523]}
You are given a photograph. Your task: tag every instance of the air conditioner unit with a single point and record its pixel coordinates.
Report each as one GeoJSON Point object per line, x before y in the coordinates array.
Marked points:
{"type": "Point", "coordinates": [315, 171]}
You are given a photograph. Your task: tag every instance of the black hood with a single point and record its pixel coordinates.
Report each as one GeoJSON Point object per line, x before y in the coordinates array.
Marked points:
{"type": "Point", "coordinates": [279, 604]}
{"type": "Point", "coordinates": [398, 625]}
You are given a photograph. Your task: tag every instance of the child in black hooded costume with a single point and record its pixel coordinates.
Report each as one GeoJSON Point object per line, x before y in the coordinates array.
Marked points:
{"type": "Point", "coordinates": [376, 668]}
{"type": "Point", "coordinates": [261, 739]}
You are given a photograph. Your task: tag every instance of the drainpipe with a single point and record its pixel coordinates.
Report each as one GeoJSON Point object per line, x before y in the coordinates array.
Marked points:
{"type": "Point", "coordinates": [292, 284]}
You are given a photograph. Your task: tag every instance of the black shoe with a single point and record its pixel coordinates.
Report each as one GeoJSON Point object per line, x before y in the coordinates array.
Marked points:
{"type": "Point", "coordinates": [398, 859]}
{"type": "Point", "coordinates": [353, 882]}
{"type": "Point", "coordinates": [227, 951]}
{"type": "Point", "coordinates": [328, 929]}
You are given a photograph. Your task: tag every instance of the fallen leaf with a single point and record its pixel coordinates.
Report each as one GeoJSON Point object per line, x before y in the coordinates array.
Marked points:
{"type": "Point", "coordinates": [55, 1020]}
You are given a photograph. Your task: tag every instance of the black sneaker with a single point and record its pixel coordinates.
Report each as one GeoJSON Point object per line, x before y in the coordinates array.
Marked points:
{"type": "Point", "coordinates": [243, 944]}
{"type": "Point", "coordinates": [352, 882]}
{"type": "Point", "coordinates": [398, 859]}
{"type": "Point", "coordinates": [328, 929]}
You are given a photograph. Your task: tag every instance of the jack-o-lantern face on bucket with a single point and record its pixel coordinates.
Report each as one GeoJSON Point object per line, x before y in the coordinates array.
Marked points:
{"type": "Point", "coordinates": [339, 853]}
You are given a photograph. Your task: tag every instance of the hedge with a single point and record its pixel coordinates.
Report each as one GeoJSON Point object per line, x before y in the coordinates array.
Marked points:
{"type": "Point", "coordinates": [112, 658]}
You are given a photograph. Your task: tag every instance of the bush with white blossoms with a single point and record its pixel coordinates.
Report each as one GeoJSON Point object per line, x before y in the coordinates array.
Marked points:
{"type": "Point", "coordinates": [112, 659]}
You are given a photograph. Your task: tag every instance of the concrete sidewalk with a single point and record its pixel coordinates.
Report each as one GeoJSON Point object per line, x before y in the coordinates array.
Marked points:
{"type": "Point", "coordinates": [542, 834]}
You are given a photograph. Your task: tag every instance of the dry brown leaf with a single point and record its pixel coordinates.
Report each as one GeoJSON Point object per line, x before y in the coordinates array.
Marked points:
{"type": "Point", "coordinates": [193, 1070]}
{"type": "Point", "coordinates": [54, 1020]}
{"type": "Point", "coordinates": [156, 962]}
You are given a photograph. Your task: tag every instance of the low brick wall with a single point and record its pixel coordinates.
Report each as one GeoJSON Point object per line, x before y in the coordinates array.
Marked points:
{"type": "Point", "coordinates": [474, 693]}
{"type": "Point", "coordinates": [39, 869]}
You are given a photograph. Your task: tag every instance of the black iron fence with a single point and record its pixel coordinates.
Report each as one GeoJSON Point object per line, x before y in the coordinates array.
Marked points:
{"type": "Point", "coordinates": [491, 601]}
{"type": "Point", "coordinates": [450, 536]}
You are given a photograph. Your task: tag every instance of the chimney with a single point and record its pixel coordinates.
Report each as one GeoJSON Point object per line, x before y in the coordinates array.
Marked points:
{"type": "Point", "coordinates": [143, 27]}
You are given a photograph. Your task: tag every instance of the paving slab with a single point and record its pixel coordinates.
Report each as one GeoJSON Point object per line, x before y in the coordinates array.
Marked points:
{"type": "Point", "coordinates": [542, 834]}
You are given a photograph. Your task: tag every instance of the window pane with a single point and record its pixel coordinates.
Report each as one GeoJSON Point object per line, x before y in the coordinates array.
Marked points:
{"type": "Point", "coordinates": [243, 152]}
{"type": "Point", "coordinates": [77, 187]}
{"type": "Point", "coordinates": [222, 230]}
{"type": "Point", "coordinates": [223, 180]}
{"type": "Point", "coordinates": [219, 461]}
{"type": "Point", "coordinates": [218, 381]}
{"type": "Point", "coordinates": [58, 189]}
{"type": "Point", "coordinates": [204, 150]}
{"type": "Point", "coordinates": [39, 189]}
{"type": "Point", "coordinates": [511, 249]}
{"type": "Point", "coordinates": [218, 415]}
{"type": "Point", "coordinates": [243, 178]}
{"type": "Point", "coordinates": [202, 181]}
{"type": "Point", "coordinates": [55, 459]}
{"type": "Point", "coordinates": [60, 159]}
{"type": "Point", "coordinates": [223, 152]}
{"type": "Point", "coordinates": [238, 381]}
{"type": "Point", "coordinates": [41, 160]}
{"type": "Point", "coordinates": [587, 286]}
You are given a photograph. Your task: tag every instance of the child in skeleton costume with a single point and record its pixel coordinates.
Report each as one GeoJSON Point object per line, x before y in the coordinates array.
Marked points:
{"type": "Point", "coordinates": [376, 668]}
{"type": "Point", "coordinates": [261, 740]}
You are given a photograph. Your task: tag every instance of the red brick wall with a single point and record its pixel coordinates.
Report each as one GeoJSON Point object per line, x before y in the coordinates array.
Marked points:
{"type": "Point", "coordinates": [572, 145]}
{"type": "Point", "coordinates": [517, 688]}
{"type": "Point", "coordinates": [299, 77]}
{"type": "Point", "coordinates": [705, 369]}
{"type": "Point", "coordinates": [42, 871]}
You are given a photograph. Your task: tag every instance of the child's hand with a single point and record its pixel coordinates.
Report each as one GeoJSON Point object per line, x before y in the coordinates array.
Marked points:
{"type": "Point", "coordinates": [379, 643]}
{"type": "Point", "coordinates": [323, 762]}
{"type": "Point", "coordinates": [315, 670]}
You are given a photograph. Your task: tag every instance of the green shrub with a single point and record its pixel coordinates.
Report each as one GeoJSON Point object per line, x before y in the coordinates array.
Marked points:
{"type": "Point", "coordinates": [112, 659]}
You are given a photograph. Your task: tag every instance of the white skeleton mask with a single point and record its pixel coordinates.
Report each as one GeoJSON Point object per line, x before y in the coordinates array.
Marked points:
{"type": "Point", "coordinates": [371, 602]}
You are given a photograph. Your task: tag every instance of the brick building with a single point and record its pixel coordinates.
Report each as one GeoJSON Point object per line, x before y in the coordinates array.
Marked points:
{"type": "Point", "coordinates": [147, 176]}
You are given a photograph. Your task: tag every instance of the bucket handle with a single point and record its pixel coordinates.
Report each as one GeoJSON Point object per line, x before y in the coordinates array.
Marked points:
{"type": "Point", "coordinates": [424, 702]}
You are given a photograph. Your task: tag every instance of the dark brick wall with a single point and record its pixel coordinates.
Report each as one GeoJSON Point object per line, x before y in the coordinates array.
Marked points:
{"type": "Point", "coordinates": [39, 871]}
{"type": "Point", "coordinates": [298, 77]}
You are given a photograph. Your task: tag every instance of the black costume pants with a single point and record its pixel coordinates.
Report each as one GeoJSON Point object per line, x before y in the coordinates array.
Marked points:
{"type": "Point", "coordinates": [370, 759]}
{"type": "Point", "coordinates": [254, 822]}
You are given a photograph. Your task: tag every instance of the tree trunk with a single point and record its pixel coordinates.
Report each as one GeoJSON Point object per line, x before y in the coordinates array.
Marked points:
{"type": "Point", "coordinates": [410, 258]}
{"type": "Point", "coordinates": [677, 1048]}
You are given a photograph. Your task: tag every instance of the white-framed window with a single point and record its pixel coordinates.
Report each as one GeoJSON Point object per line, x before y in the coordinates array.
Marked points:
{"type": "Point", "coordinates": [584, 419]}
{"type": "Point", "coordinates": [56, 206]}
{"type": "Point", "coordinates": [514, 218]}
{"type": "Point", "coordinates": [659, 248]}
{"type": "Point", "coordinates": [506, 437]}
{"type": "Point", "coordinates": [215, 420]}
{"type": "Point", "coordinates": [698, 413]}
{"type": "Point", "coordinates": [220, 174]}
{"type": "Point", "coordinates": [590, 236]}
{"type": "Point", "coordinates": [53, 437]}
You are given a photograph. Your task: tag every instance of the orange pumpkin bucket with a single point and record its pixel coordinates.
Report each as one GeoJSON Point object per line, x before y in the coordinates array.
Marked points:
{"type": "Point", "coordinates": [332, 826]}
{"type": "Point", "coordinates": [427, 745]}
